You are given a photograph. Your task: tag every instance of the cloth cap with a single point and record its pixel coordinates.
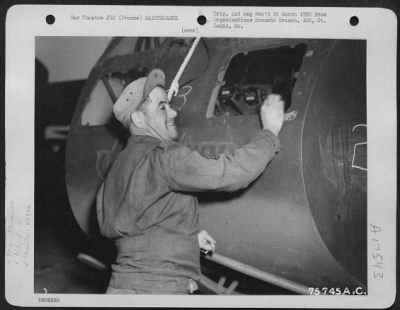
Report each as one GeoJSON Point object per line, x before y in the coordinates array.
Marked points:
{"type": "Point", "coordinates": [135, 93]}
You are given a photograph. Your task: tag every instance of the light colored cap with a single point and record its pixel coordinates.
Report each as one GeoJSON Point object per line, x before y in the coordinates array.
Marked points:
{"type": "Point", "coordinates": [135, 93]}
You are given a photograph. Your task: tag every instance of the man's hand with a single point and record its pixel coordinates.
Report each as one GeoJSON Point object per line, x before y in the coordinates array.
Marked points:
{"type": "Point", "coordinates": [206, 242]}
{"type": "Point", "coordinates": [272, 113]}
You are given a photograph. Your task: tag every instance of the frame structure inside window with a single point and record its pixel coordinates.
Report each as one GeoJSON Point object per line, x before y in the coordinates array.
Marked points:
{"type": "Point", "coordinates": [252, 76]}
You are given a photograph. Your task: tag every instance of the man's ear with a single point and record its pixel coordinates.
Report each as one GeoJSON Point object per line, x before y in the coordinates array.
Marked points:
{"type": "Point", "coordinates": [137, 119]}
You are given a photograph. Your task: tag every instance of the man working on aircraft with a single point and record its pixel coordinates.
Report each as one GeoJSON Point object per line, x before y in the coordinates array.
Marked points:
{"type": "Point", "coordinates": [146, 203]}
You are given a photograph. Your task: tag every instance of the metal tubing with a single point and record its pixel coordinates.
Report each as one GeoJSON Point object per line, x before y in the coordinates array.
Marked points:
{"type": "Point", "coordinates": [259, 274]}
{"type": "Point", "coordinates": [183, 66]}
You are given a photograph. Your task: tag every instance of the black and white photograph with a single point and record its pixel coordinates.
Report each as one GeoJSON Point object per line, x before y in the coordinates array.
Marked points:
{"type": "Point", "coordinates": [199, 165]}
{"type": "Point", "coordinates": [283, 218]}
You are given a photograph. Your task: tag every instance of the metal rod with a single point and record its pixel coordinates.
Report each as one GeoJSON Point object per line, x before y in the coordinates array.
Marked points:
{"type": "Point", "coordinates": [259, 274]}
{"type": "Point", "coordinates": [183, 66]}
{"type": "Point", "coordinates": [109, 89]}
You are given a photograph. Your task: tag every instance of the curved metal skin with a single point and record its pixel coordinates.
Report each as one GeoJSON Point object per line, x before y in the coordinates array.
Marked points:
{"type": "Point", "coordinates": [304, 218]}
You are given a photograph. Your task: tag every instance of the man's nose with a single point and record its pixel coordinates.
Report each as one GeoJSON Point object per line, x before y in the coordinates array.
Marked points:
{"type": "Point", "coordinates": [171, 112]}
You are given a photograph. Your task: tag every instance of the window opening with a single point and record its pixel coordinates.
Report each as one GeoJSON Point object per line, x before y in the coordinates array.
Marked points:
{"type": "Point", "coordinates": [252, 76]}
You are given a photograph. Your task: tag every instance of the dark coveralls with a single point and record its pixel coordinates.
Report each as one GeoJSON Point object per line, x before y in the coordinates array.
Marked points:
{"type": "Point", "coordinates": [146, 205]}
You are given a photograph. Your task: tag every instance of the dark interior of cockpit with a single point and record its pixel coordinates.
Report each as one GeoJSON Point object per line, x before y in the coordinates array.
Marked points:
{"type": "Point", "coordinates": [251, 76]}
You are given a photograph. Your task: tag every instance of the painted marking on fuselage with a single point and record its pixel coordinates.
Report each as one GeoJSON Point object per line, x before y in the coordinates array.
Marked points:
{"type": "Point", "coordinates": [355, 148]}
{"type": "Point", "coordinates": [183, 94]}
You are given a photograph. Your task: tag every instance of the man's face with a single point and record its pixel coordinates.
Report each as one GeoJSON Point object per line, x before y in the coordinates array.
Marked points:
{"type": "Point", "coordinates": [159, 116]}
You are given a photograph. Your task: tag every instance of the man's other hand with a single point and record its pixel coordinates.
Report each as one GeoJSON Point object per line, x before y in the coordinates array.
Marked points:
{"type": "Point", "coordinates": [272, 113]}
{"type": "Point", "coordinates": [206, 242]}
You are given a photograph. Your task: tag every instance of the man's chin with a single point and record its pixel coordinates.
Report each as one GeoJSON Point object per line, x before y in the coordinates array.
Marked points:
{"type": "Point", "coordinates": [174, 135]}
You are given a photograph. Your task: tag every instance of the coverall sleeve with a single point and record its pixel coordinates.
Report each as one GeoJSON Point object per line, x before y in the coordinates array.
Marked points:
{"type": "Point", "coordinates": [187, 170]}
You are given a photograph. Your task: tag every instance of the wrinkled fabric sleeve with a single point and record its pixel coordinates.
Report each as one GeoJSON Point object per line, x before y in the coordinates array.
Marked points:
{"type": "Point", "coordinates": [187, 170]}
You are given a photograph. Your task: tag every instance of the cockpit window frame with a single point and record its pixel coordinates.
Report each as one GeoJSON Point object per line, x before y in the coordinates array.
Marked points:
{"type": "Point", "coordinates": [210, 111]}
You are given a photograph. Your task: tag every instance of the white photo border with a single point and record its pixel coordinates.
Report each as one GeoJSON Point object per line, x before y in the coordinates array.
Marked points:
{"type": "Point", "coordinates": [25, 22]}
